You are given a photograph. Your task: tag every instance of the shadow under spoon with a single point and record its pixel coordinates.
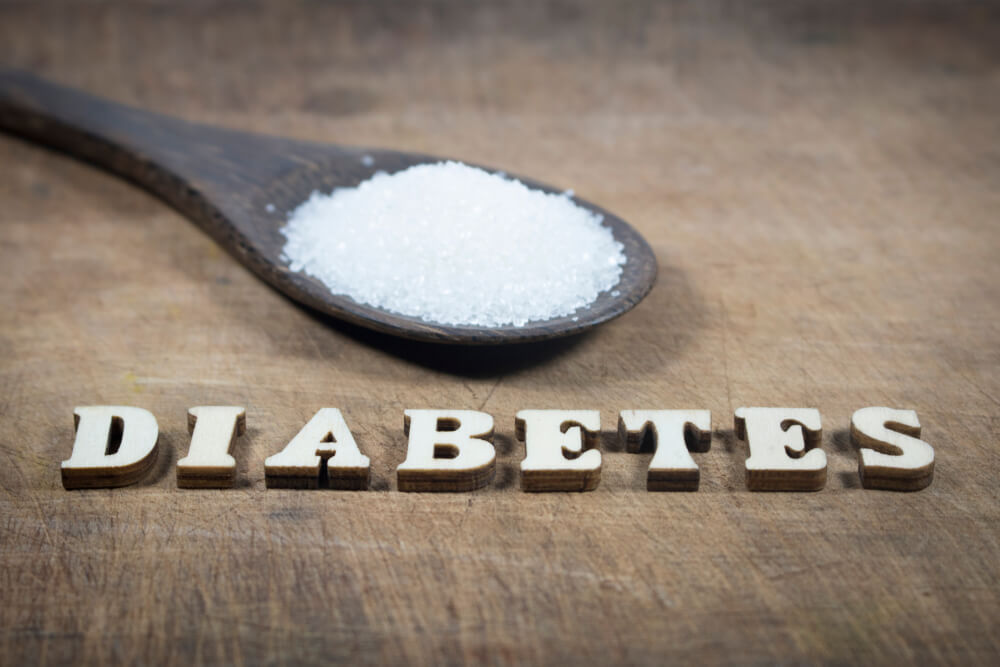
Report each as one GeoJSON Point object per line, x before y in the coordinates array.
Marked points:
{"type": "Point", "coordinates": [237, 187]}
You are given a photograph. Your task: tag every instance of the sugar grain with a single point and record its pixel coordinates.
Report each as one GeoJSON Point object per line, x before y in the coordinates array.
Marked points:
{"type": "Point", "coordinates": [453, 244]}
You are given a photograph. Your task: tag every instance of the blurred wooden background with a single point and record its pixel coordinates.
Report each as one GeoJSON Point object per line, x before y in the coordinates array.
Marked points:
{"type": "Point", "coordinates": [821, 184]}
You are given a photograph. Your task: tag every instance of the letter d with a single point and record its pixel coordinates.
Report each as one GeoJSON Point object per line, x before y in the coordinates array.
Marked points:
{"type": "Point", "coordinates": [115, 446]}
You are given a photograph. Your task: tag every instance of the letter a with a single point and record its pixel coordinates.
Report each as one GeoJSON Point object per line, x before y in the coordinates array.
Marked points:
{"type": "Point", "coordinates": [325, 439]}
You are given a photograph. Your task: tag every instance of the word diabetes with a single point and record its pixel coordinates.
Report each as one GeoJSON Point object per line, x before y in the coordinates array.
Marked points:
{"type": "Point", "coordinates": [452, 450]}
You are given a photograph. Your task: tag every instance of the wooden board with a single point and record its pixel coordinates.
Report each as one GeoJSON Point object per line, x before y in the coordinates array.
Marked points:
{"type": "Point", "coordinates": [821, 186]}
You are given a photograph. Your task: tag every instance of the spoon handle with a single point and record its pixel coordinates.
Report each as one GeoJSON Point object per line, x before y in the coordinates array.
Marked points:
{"type": "Point", "coordinates": [121, 139]}
{"type": "Point", "coordinates": [184, 163]}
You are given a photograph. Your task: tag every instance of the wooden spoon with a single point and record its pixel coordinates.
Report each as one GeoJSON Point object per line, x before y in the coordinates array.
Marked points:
{"type": "Point", "coordinates": [237, 186]}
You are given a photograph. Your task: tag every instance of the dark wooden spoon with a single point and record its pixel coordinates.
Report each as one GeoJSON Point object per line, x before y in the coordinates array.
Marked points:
{"type": "Point", "coordinates": [237, 186]}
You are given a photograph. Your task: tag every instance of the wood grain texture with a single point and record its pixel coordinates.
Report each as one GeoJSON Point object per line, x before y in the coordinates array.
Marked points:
{"type": "Point", "coordinates": [819, 182]}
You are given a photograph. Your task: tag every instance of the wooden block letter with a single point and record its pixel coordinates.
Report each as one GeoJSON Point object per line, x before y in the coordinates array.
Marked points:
{"type": "Point", "coordinates": [324, 441]}
{"type": "Point", "coordinates": [449, 450]}
{"type": "Point", "coordinates": [783, 448]}
{"type": "Point", "coordinates": [209, 463]}
{"type": "Point", "coordinates": [554, 441]}
{"type": "Point", "coordinates": [892, 455]}
{"type": "Point", "coordinates": [673, 432]}
{"type": "Point", "coordinates": [115, 446]}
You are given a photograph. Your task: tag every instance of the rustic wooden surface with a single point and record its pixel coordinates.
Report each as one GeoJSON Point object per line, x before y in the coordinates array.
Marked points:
{"type": "Point", "coordinates": [821, 184]}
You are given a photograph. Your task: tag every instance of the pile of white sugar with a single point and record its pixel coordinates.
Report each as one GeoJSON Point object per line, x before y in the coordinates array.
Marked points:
{"type": "Point", "coordinates": [452, 244]}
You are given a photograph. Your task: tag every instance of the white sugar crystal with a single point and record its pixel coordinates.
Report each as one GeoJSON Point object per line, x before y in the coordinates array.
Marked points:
{"type": "Point", "coordinates": [367, 160]}
{"type": "Point", "coordinates": [453, 244]}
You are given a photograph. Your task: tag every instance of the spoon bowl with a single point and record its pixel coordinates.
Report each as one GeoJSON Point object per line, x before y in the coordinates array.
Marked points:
{"type": "Point", "coordinates": [239, 187]}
